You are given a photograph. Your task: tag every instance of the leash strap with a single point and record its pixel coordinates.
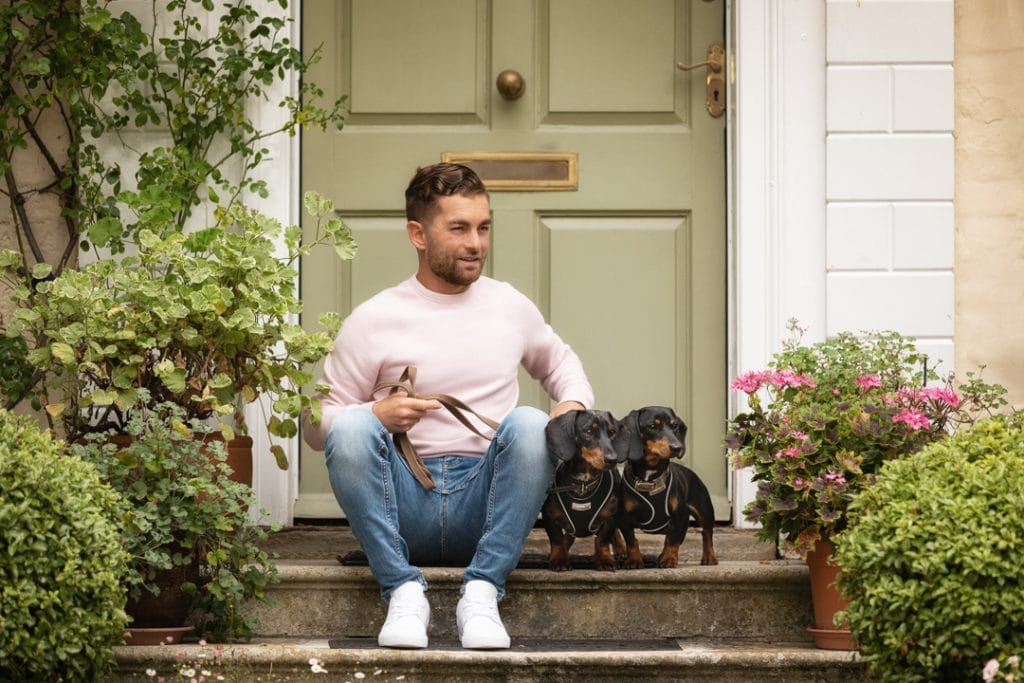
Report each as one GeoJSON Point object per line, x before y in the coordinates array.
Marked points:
{"type": "Point", "coordinates": [407, 384]}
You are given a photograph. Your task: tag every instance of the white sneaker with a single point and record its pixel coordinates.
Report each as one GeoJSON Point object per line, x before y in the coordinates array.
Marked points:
{"type": "Point", "coordinates": [408, 618]}
{"type": "Point", "coordinates": [480, 626]}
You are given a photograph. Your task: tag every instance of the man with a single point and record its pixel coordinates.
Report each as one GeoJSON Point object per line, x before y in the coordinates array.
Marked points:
{"type": "Point", "coordinates": [466, 335]}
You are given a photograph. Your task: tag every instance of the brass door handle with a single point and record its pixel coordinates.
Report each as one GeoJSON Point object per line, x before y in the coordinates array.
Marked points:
{"type": "Point", "coordinates": [714, 63]}
{"type": "Point", "coordinates": [715, 60]}
{"type": "Point", "coordinates": [511, 84]}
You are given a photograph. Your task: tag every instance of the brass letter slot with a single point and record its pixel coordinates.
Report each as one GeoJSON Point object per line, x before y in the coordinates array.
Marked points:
{"type": "Point", "coordinates": [521, 171]}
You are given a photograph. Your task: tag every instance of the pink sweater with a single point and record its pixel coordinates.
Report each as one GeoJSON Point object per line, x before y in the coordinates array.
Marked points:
{"type": "Point", "coordinates": [468, 345]}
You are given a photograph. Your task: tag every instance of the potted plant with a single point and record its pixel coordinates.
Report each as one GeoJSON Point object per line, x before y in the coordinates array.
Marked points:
{"type": "Point", "coordinates": [205, 320]}
{"type": "Point", "coordinates": [822, 420]}
{"type": "Point", "coordinates": [194, 549]}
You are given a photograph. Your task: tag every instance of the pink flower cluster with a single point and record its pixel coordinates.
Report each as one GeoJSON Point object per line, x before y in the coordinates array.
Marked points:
{"type": "Point", "coordinates": [833, 477]}
{"type": "Point", "coordinates": [751, 382]}
{"type": "Point", "coordinates": [937, 394]}
{"type": "Point", "coordinates": [869, 382]}
{"type": "Point", "coordinates": [915, 419]}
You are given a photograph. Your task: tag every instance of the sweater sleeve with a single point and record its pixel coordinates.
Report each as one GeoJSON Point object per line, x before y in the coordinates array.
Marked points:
{"type": "Point", "coordinates": [551, 361]}
{"type": "Point", "coordinates": [350, 370]}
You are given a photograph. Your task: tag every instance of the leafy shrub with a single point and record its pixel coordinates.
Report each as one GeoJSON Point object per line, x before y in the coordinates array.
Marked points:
{"type": "Point", "coordinates": [61, 563]}
{"type": "Point", "coordinates": [181, 508]}
{"type": "Point", "coordinates": [931, 561]}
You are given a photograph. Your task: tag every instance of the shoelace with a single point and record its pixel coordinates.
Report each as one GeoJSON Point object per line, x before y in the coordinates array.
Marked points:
{"type": "Point", "coordinates": [474, 608]}
{"type": "Point", "coordinates": [405, 609]}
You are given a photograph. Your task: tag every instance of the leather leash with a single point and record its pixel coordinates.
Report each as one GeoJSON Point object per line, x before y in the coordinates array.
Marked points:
{"type": "Point", "coordinates": [407, 384]}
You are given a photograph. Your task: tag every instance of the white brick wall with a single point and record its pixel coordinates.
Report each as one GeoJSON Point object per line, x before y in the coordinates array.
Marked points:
{"type": "Point", "coordinates": [889, 169]}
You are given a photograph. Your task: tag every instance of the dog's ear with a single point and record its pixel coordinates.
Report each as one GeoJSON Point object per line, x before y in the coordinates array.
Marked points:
{"type": "Point", "coordinates": [680, 430]}
{"type": "Point", "coordinates": [561, 437]}
{"type": "Point", "coordinates": [627, 441]}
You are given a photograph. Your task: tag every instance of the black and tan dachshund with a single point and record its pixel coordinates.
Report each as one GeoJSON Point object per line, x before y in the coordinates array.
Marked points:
{"type": "Point", "coordinates": [659, 496]}
{"type": "Point", "coordinates": [584, 499]}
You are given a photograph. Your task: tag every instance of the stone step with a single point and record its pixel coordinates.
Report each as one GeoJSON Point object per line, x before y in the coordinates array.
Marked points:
{"type": "Point", "coordinates": [755, 599]}
{"type": "Point", "coordinates": [280, 659]}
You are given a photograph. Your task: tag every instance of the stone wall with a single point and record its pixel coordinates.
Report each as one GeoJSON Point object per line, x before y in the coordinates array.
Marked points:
{"type": "Point", "coordinates": [989, 193]}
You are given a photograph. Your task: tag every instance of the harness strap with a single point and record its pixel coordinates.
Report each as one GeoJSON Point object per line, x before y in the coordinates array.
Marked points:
{"type": "Point", "coordinates": [407, 383]}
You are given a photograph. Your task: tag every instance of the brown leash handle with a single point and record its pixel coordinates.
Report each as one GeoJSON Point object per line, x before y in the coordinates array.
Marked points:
{"type": "Point", "coordinates": [407, 384]}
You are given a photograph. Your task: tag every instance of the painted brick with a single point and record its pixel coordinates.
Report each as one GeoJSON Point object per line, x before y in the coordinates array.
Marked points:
{"type": "Point", "coordinates": [923, 98]}
{"type": "Point", "coordinates": [858, 99]}
{"type": "Point", "coordinates": [878, 31]}
{"type": "Point", "coordinates": [858, 236]}
{"type": "Point", "coordinates": [916, 304]}
{"type": "Point", "coordinates": [922, 236]}
{"type": "Point", "coordinates": [883, 167]}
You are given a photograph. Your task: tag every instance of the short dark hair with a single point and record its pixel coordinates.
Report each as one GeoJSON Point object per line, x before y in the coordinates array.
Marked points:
{"type": "Point", "coordinates": [439, 180]}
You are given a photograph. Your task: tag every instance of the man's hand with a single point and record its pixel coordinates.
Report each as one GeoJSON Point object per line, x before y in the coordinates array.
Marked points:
{"type": "Point", "coordinates": [399, 413]}
{"type": "Point", "coordinates": [565, 407]}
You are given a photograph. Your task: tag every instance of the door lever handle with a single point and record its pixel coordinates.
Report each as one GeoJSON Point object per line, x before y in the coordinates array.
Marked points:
{"type": "Point", "coordinates": [715, 60]}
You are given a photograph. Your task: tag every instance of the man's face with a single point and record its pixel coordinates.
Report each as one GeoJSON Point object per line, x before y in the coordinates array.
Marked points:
{"type": "Point", "coordinates": [453, 242]}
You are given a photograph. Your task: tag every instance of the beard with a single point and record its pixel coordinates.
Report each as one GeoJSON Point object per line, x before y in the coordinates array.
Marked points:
{"type": "Point", "coordinates": [449, 268]}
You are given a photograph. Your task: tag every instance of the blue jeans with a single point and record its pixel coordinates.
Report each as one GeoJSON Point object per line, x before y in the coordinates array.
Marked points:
{"type": "Point", "coordinates": [479, 514]}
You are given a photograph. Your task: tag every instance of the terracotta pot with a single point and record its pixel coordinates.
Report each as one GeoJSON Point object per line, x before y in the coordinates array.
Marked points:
{"type": "Point", "coordinates": [170, 607]}
{"type": "Point", "coordinates": [827, 600]}
{"type": "Point", "coordinates": [239, 452]}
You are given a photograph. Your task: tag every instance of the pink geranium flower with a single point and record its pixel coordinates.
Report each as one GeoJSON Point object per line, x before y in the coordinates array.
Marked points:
{"type": "Point", "coordinates": [915, 419]}
{"type": "Point", "coordinates": [869, 382]}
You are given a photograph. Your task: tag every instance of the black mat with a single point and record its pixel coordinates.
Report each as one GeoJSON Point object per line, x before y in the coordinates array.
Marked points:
{"type": "Point", "coordinates": [529, 645]}
{"type": "Point", "coordinates": [357, 558]}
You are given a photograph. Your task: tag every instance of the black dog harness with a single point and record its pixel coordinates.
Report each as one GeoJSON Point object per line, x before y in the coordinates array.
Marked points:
{"type": "Point", "coordinates": [654, 493]}
{"type": "Point", "coordinates": [583, 500]}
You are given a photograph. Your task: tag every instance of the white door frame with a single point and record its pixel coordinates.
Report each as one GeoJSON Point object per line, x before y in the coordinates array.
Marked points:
{"type": "Point", "coordinates": [776, 199]}
{"type": "Point", "coordinates": [276, 489]}
{"type": "Point", "coordinates": [777, 185]}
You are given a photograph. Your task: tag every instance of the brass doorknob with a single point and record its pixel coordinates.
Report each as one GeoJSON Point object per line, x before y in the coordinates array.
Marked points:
{"type": "Point", "coordinates": [511, 84]}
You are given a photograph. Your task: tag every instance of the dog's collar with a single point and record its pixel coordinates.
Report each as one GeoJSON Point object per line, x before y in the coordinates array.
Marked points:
{"type": "Point", "coordinates": [581, 487]}
{"type": "Point", "coordinates": [648, 487]}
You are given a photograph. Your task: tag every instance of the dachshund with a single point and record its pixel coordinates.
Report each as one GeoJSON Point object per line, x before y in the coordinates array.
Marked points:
{"type": "Point", "coordinates": [584, 499]}
{"type": "Point", "coordinates": [659, 496]}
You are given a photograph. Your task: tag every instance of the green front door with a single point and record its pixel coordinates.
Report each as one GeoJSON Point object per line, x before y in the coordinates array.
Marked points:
{"type": "Point", "coordinates": [628, 264]}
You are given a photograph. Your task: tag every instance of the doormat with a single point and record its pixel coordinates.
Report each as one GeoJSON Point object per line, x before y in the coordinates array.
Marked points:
{"type": "Point", "coordinates": [357, 558]}
{"type": "Point", "coordinates": [530, 645]}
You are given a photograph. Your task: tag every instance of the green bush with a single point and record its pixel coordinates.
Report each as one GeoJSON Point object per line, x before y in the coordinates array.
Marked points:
{"type": "Point", "coordinates": [931, 561]}
{"type": "Point", "coordinates": [61, 563]}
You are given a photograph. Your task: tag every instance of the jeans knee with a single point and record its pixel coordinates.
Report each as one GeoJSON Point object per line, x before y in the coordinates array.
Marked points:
{"type": "Point", "coordinates": [525, 427]}
{"type": "Point", "coordinates": [354, 437]}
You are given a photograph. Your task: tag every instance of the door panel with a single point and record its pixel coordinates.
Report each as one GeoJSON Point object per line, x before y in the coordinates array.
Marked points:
{"type": "Point", "coordinates": [630, 267]}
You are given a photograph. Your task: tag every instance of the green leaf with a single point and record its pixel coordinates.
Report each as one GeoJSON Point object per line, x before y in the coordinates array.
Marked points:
{"type": "Point", "coordinates": [172, 377]}
{"type": "Point", "coordinates": [316, 204]}
{"type": "Point", "coordinates": [41, 270]}
{"type": "Point", "coordinates": [103, 231]}
{"type": "Point", "coordinates": [96, 18]}
{"type": "Point", "coordinates": [279, 457]}
{"type": "Point", "coordinates": [63, 352]}
{"type": "Point", "coordinates": [220, 381]}
{"type": "Point", "coordinates": [103, 397]}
